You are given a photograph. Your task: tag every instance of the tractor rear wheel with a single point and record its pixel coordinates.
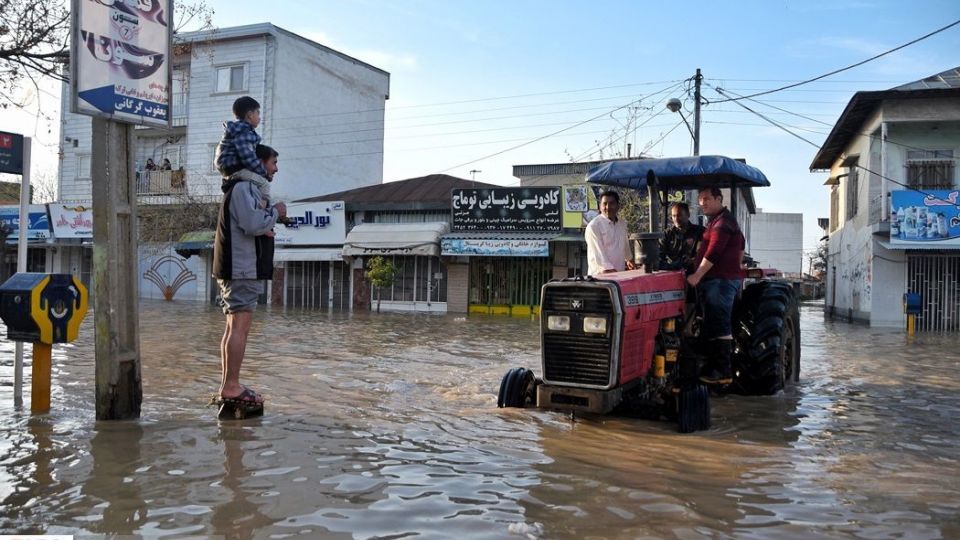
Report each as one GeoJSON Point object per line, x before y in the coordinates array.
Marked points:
{"type": "Point", "coordinates": [517, 389]}
{"type": "Point", "coordinates": [768, 339]}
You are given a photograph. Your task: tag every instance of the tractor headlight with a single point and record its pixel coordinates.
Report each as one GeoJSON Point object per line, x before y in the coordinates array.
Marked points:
{"type": "Point", "coordinates": [558, 323]}
{"type": "Point", "coordinates": [595, 325]}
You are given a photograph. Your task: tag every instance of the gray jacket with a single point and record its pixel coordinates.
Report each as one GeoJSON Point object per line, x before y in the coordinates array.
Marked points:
{"type": "Point", "coordinates": [240, 249]}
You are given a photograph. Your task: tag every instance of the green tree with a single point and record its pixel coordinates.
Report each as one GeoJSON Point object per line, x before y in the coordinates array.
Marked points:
{"type": "Point", "coordinates": [382, 273]}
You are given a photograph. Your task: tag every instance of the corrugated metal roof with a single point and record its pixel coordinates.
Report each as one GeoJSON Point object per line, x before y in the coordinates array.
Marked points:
{"type": "Point", "coordinates": [862, 105]}
{"type": "Point", "coordinates": [421, 193]}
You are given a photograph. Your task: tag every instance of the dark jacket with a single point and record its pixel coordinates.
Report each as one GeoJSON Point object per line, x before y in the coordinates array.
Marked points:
{"type": "Point", "coordinates": [678, 247]}
{"type": "Point", "coordinates": [723, 245]}
{"type": "Point", "coordinates": [240, 248]}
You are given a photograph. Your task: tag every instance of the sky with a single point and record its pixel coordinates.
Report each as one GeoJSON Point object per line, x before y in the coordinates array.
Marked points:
{"type": "Point", "coordinates": [477, 87]}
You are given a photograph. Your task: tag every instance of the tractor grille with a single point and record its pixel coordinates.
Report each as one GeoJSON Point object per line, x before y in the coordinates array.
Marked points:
{"type": "Point", "coordinates": [576, 357]}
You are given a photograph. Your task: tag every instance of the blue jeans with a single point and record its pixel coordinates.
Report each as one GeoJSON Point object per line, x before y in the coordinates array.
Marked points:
{"type": "Point", "coordinates": [717, 296]}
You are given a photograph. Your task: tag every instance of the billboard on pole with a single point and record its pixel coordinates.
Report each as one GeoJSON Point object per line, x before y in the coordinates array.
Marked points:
{"type": "Point", "coordinates": [11, 153]}
{"type": "Point", "coordinates": [120, 61]}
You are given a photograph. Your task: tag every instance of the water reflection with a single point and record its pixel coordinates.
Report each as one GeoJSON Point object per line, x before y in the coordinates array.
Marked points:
{"type": "Point", "coordinates": [386, 426]}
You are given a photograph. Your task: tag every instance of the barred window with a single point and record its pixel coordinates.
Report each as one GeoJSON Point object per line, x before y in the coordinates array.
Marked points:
{"type": "Point", "coordinates": [853, 191]}
{"type": "Point", "coordinates": [931, 169]}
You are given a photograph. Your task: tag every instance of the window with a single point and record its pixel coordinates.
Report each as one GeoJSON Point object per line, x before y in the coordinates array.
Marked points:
{"type": "Point", "coordinates": [930, 169]}
{"type": "Point", "coordinates": [853, 191]}
{"type": "Point", "coordinates": [834, 208]}
{"type": "Point", "coordinates": [230, 79]}
{"type": "Point", "coordinates": [83, 166]}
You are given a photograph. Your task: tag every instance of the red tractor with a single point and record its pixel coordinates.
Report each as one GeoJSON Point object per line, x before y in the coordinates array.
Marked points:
{"type": "Point", "coordinates": [629, 341]}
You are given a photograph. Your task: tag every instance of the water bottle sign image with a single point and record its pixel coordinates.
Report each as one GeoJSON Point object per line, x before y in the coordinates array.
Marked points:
{"type": "Point", "coordinates": [929, 216]}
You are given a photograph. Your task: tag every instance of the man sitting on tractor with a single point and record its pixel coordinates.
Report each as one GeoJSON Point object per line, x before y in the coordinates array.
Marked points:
{"type": "Point", "coordinates": [718, 278]}
{"type": "Point", "coordinates": [678, 247]}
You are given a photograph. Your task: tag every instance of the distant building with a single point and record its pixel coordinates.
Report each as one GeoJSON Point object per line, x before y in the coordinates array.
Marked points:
{"type": "Point", "coordinates": [776, 241]}
{"type": "Point", "coordinates": [322, 110]}
{"type": "Point", "coordinates": [895, 204]}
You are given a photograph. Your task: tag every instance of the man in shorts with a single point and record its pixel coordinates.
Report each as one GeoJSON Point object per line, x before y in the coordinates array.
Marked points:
{"type": "Point", "coordinates": [242, 260]}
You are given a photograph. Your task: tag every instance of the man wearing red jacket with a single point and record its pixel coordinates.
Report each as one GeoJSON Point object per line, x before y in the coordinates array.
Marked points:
{"type": "Point", "coordinates": [718, 278]}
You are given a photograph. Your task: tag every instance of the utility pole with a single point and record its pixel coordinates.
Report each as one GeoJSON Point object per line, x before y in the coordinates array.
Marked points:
{"type": "Point", "coordinates": [696, 112]}
{"type": "Point", "coordinates": [473, 175]}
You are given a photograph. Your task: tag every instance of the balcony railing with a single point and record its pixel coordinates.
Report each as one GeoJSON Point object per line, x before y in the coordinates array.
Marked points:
{"type": "Point", "coordinates": [161, 182]}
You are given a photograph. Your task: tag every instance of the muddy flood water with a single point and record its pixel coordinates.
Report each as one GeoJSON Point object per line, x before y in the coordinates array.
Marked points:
{"type": "Point", "coordinates": [386, 426]}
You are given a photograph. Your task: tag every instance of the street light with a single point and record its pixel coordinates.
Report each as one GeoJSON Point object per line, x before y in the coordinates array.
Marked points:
{"type": "Point", "coordinates": [674, 105]}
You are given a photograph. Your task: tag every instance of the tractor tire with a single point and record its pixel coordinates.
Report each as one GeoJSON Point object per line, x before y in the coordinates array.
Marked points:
{"type": "Point", "coordinates": [693, 408]}
{"type": "Point", "coordinates": [517, 389]}
{"type": "Point", "coordinates": [767, 324]}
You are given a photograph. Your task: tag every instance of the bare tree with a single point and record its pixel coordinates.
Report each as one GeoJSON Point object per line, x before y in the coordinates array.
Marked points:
{"type": "Point", "coordinates": [35, 41]}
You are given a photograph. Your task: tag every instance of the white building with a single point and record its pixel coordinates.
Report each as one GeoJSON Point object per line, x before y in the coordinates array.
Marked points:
{"type": "Point", "coordinates": [776, 241]}
{"type": "Point", "coordinates": [322, 110]}
{"type": "Point", "coordinates": [895, 204]}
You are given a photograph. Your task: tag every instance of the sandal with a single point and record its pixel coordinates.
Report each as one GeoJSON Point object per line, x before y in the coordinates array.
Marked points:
{"type": "Point", "coordinates": [247, 396]}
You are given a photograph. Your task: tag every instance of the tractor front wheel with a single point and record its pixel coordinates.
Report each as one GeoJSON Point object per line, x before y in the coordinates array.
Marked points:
{"type": "Point", "coordinates": [517, 389]}
{"type": "Point", "coordinates": [768, 340]}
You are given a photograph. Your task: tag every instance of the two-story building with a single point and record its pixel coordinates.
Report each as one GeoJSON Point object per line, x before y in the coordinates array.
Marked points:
{"type": "Point", "coordinates": [322, 110]}
{"type": "Point", "coordinates": [895, 204]}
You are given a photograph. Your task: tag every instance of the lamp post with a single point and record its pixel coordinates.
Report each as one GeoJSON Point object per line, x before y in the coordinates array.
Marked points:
{"type": "Point", "coordinates": [675, 105]}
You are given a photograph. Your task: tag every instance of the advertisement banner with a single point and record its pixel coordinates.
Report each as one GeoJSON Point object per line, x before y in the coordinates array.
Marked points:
{"type": "Point", "coordinates": [121, 62]}
{"type": "Point", "coordinates": [931, 217]}
{"type": "Point", "coordinates": [38, 228]}
{"type": "Point", "coordinates": [580, 205]}
{"type": "Point", "coordinates": [71, 221]}
{"type": "Point", "coordinates": [11, 153]}
{"type": "Point", "coordinates": [314, 224]}
{"type": "Point", "coordinates": [507, 209]}
{"type": "Point", "coordinates": [494, 247]}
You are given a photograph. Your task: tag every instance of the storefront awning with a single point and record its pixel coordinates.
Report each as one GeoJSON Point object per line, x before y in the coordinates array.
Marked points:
{"type": "Point", "coordinates": [307, 254]}
{"type": "Point", "coordinates": [395, 239]}
{"type": "Point", "coordinates": [920, 245]}
{"type": "Point", "coordinates": [498, 244]}
{"type": "Point", "coordinates": [194, 243]}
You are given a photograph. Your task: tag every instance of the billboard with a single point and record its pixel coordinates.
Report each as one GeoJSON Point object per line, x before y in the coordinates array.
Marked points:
{"type": "Point", "coordinates": [931, 217]}
{"type": "Point", "coordinates": [69, 221]}
{"type": "Point", "coordinates": [120, 66]}
{"type": "Point", "coordinates": [507, 209]}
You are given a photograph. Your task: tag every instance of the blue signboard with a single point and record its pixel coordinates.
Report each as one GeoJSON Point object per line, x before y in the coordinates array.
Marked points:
{"type": "Point", "coordinates": [931, 216]}
{"type": "Point", "coordinates": [11, 153]}
{"type": "Point", "coordinates": [38, 229]}
{"type": "Point", "coordinates": [494, 247]}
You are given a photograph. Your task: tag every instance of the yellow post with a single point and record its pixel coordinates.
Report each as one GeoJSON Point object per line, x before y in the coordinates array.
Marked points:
{"type": "Point", "coordinates": [911, 324]}
{"type": "Point", "coordinates": [40, 387]}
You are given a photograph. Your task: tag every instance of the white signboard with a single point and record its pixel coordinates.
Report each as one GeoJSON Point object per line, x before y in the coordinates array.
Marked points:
{"type": "Point", "coordinates": [71, 221]}
{"type": "Point", "coordinates": [494, 247]}
{"type": "Point", "coordinates": [316, 224]}
{"type": "Point", "coordinates": [120, 66]}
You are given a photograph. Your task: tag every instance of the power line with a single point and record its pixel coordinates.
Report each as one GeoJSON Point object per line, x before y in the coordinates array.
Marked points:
{"type": "Point", "coordinates": [834, 72]}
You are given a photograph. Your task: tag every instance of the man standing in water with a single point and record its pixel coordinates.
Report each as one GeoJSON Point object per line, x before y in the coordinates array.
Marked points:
{"type": "Point", "coordinates": [242, 261]}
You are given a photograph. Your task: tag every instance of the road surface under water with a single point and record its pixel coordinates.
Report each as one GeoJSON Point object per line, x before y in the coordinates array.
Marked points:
{"type": "Point", "coordinates": [386, 426]}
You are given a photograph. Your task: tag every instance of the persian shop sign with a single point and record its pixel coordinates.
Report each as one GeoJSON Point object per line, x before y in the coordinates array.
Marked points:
{"type": "Point", "coordinates": [71, 221]}
{"type": "Point", "coordinates": [315, 223]}
{"type": "Point", "coordinates": [931, 217]}
{"type": "Point", "coordinates": [494, 247]}
{"type": "Point", "coordinates": [38, 227]}
{"type": "Point", "coordinates": [506, 209]}
{"type": "Point", "coordinates": [121, 60]}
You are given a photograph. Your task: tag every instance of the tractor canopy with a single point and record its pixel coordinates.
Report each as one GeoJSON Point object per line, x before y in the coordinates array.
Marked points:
{"type": "Point", "coordinates": [695, 172]}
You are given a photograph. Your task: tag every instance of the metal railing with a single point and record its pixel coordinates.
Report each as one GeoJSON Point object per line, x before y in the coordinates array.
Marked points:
{"type": "Point", "coordinates": [161, 182]}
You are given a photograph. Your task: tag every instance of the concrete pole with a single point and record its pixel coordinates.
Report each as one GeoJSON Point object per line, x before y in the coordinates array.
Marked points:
{"type": "Point", "coordinates": [692, 197]}
{"type": "Point", "coordinates": [119, 391]}
{"type": "Point", "coordinates": [22, 264]}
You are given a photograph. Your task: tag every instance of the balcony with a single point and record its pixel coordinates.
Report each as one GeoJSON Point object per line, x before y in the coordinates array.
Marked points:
{"type": "Point", "coordinates": [161, 183]}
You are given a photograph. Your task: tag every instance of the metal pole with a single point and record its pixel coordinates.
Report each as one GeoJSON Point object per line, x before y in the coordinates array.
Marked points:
{"type": "Point", "coordinates": [22, 264]}
{"type": "Point", "coordinates": [696, 112]}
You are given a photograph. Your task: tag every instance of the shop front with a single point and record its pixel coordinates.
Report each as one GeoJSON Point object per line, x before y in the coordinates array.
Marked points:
{"type": "Point", "coordinates": [309, 270]}
{"type": "Point", "coordinates": [500, 251]}
{"type": "Point", "coordinates": [420, 281]}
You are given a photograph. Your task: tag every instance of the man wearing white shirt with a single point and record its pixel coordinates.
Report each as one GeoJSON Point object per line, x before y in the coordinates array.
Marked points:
{"type": "Point", "coordinates": [607, 247]}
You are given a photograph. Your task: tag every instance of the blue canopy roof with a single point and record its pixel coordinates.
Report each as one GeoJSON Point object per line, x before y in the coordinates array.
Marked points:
{"type": "Point", "coordinates": [678, 173]}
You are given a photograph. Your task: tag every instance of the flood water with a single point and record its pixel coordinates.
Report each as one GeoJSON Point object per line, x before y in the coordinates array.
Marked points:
{"type": "Point", "coordinates": [386, 426]}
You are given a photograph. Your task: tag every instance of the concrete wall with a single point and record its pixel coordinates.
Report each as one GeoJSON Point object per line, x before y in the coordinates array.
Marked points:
{"type": "Point", "coordinates": [776, 241]}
